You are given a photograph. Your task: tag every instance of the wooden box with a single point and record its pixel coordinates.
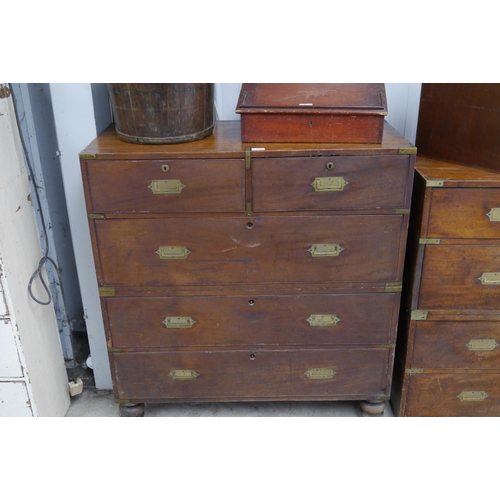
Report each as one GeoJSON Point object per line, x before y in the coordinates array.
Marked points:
{"type": "Point", "coordinates": [312, 112]}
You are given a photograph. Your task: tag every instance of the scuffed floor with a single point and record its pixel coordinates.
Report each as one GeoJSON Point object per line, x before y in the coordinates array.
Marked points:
{"type": "Point", "coordinates": [96, 403]}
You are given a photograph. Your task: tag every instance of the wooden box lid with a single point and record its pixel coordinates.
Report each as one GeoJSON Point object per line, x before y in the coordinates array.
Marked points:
{"type": "Point", "coordinates": [314, 98]}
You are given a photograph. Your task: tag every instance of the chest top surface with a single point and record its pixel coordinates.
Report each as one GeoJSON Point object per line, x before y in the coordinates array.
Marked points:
{"type": "Point", "coordinates": [225, 142]}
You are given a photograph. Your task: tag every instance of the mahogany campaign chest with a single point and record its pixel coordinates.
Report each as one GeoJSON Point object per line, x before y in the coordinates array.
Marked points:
{"type": "Point", "coordinates": [240, 272]}
{"type": "Point", "coordinates": [448, 355]}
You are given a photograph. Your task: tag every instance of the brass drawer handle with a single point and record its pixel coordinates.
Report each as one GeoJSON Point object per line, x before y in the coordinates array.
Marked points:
{"type": "Point", "coordinates": [183, 374]}
{"type": "Point", "coordinates": [178, 322]}
{"type": "Point", "coordinates": [494, 215]}
{"type": "Point", "coordinates": [472, 396]}
{"type": "Point", "coordinates": [321, 184]}
{"type": "Point", "coordinates": [482, 344]}
{"type": "Point", "coordinates": [322, 320]}
{"type": "Point", "coordinates": [320, 373]}
{"type": "Point", "coordinates": [490, 279]}
{"type": "Point", "coordinates": [325, 250]}
{"type": "Point", "coordinates": [173, 252]}
{"type": "Point", "coordinates": [166, 186]}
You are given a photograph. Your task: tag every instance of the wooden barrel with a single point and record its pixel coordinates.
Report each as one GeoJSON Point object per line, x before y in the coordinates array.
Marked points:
{"type": "Point", "coordinates": [162, 113]}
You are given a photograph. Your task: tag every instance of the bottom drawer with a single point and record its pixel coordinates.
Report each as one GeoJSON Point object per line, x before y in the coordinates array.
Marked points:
{"type": "Point", "coordinates": [453, 395]}
{"type": "Point", "coordinates": [252, 375]}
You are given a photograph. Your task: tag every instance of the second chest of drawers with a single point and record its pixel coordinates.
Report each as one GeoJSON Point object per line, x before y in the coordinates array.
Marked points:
{"type": "Point", "coordinates": [233, 273]}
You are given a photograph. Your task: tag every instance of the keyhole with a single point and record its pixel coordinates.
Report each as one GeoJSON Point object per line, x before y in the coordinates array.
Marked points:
{"type": "Point", "coordinates": [329, 166]}
{"type": "Point", "coordinates": [252, 356]}
{"type": "Point", "coordinates": [165, 168]}
{"type": "Point", "coordinates": [249, 225]}
{"type": "Point", "coordinates": [251, 302]}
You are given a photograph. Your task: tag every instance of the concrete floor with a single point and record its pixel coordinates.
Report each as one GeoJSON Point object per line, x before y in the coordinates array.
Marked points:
{"type": "Point", "coordinates": [98, 403]}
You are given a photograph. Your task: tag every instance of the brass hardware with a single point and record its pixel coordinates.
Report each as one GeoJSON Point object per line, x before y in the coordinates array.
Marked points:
{"type": "Point", "coordinates": [165, 168]}
{"type": "Point", "coordinates": [249, 209]}
{"type": "Point", "coordinates": [433, 183]}
{"type": "Point", "coordinates": [482, 344]}
{"type": "Point", "coordinates": [494, 215]}
{"type": "Point", "coordinates": [322, 184]}
{"type": "Point", "coordinates": [490, 279]}
{"type": "Point", "coordinates": [122, 401]}
{"type": "Point", "coordinates": [388, 346]}
{"type": "Point", "coordinates": [183, 374]}
{"type": "Point", "coordinates": [322, 320]}
{"type": "Point", "coordinates": [429, 241]}
{"type": "Point", "coordinates": [325, 250]}
{"type": "Point", "coordinates": [166, 186]}
{"type": "Point", "coordinates": [178, 322]}
{"type": "Point", "coordinates": [395, 286]}
{"type": "Point", "coordinates": [96, 216]}
{"type": "Point", "coordinates": [319, 373]}
{"type": "Point", "coordinates": [106, 291]}
{"type": "Point", "coordinates": [87, 156]}
{"type": "Point", "coordinates": [417, 315]}
{"type": "Point", "coordinates": [330, 165]}
{"type": "Point", "coordinates": [413, 371]}
{"type": "Point", "coordinates": [401, 211]}
{"type": "Point", "coordinates": [472, 396]}
{"type": "Point", "coordinates": [173, 252]}
{"type": "Point", "coordinates": [4, 92]}
{"type": "Point", "coordinates": [114, 349]}
{"type": "Point", "coordinates": [247, 157]}
{"type": "Point", "coordinates": [408, 151]}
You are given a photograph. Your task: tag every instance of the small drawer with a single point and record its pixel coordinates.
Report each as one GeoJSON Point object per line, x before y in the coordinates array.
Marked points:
{"type": "Point", "coordinates": [453, 395]}
{"type": "Point", "coordinates": [329, 183]}
{"type": "Point", "coordinates": [166, 186]}
{"type": "Point", "coordinates": [464, 213]}
{"type": "Point", "coordinates": [251, 320]}
{"type": "Point", "coordinates": [460, 277]}
{"type": "Point", "coordinates": [457, 345]}
{"type": "Point", "coordinates": [249, 374]}
{"type": "Point", "coordinates": [243, 250]}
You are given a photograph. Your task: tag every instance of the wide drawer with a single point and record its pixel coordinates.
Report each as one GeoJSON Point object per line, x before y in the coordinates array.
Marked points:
{"type": "Point", "coordinates": [460, 277]}
{"type": "Point", "coordinates": [247, 374]}
{"type": "Point", "coordinates": [465, 213]}
{"type": "Point", "coordinates": [251, 320]}
{"type": "Point", "coordinates": [457, 344]}
{"type": "Point", "coordinates": [168, 186]}
{"type": "Point", "coordinates": [329, 183]}
{"type": "Point", "coordinates": [454, 395]}
{"type": "Point", "coordinates": [249, 250]}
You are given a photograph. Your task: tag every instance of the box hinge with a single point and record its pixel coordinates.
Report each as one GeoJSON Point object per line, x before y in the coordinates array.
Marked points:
{"type": "Point", "coordinates": [402, 211]}
{"type": "Point", "coordinates": [96, 216]}
{"type": "Point", "coordinates": [419, 315]}
{"type": "Point", "coordinates": [395, 286]}
{"type": "Point", "coordinates": [413, 371]}
{"type": "Point", "coordinates": [429, 241]}
{"type": "Point", "coordinates": [106, 291]}
{"type": "Point", "coordinates": [87, 156]}
{"type": "Point", "coordinates": [247, 157]}
{"type": "Point", "coordinates": [408, 151]}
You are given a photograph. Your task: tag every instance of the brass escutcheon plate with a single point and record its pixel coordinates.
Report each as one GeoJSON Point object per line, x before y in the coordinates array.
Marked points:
{"type": "Point", "coordinates": [472, 396]}
{"type": "Point", "coordinates": [329, 184]}
{"type": "Point", "coordinates": [183, 374]}
{"type": "Point", "coordinates": [482, 344]}
{"type": "Point", "coordinates": [173, 252]}
{"type": "Point", "coordinates": [494, 215]}
{"type": "Point", "coordinates": [322, 320]}
{"type": "Point", "coordinates": [320, 373]}
{"type": "Point", "coordinates": [178, 322]}
{"type": "Point", "coordinates": [325, 250]}
{"type": "Point", "coordinates": [166, 186]}
{"type": "Point", "coordinates": [490, 279]}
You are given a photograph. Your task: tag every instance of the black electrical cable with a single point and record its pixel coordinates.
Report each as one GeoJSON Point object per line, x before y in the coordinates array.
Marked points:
{"type": "Point", "coordinates": [45, 259]}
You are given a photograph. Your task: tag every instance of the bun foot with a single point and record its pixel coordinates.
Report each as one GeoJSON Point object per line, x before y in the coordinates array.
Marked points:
{"type": "Point", "coordinates": [132, 410]}
{"type": "Point", "coordinates": [372, 408]}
